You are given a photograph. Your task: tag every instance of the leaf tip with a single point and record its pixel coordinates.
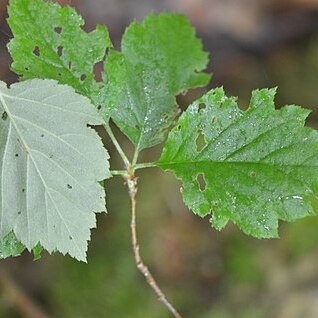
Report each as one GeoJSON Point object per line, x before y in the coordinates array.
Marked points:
{"type": "Point", "coordinates": [263, 98]}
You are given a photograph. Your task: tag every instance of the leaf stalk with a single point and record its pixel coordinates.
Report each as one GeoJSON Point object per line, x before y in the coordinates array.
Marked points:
{"type": "Point", "coordinates": [118, 172]}
{"type": "Point", "coordinates": [145, 165]}
{"type": "Point", "coordinates": [135, 157]}
{"type": "Point", "coordinates": [117, 145]}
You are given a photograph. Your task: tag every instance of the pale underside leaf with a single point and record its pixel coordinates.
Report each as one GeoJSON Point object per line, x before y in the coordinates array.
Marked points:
{"type": "Point", "coordinates": [51, 162]}
{"type": "Point", "coordinates": [253, 167]}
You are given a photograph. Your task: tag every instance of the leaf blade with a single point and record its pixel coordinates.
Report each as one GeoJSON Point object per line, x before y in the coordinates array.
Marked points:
{"type": "Point", "coordinates": [160, 58]}
{"type": "Point", "coordinates": [259, 165]}
{"type": "Point", "coordinates": [42, 157]}
{"type": "Point", "coordinates": [49, 43]}
{"type": "Point", "coordinates": [10, 246]}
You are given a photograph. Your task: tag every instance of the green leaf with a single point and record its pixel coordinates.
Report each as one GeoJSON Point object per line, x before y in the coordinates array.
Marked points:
{"type": "Point", "coordinates": [51, 163]}
{"type": "Point", "coordinates": [160, 58]}
{"type": "Point", "coordinates": [10, 246]}
{"type": "Point", "coordinates": [37, 250]}
{"type": "Point", "coordinates": [253, 167]}
{"type": "Point", "coordinates": [50, 43]}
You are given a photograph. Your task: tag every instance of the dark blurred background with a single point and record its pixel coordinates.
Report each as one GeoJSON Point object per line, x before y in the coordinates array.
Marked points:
{"type": "Point", "coordinates": [206, 274]}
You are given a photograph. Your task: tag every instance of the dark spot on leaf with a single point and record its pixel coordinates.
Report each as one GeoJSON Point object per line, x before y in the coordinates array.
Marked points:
{"type": "Point", "coordinates": [4, 116]}
{"type": "Point", "coordinates": [51, 156]}
{"type": "Point", "coordinates": [26, 68]}
{"type": "Point", "coordinates": [137, 127]}
{"type": "Point", "coordinates": [201, 181]}
{"type": "Point", "coordinates": [70, 237]}
{"type": "Point", "coordinates": [70, 65]}
{"type": "Point", "coordinates": [59, 74]}
{"type": "Point", "coordinates": [252, 174]}
{"type": "Point", "coordinates": [17, 155]}
{"type": "Point", "coordinates": [60, 50]}
{"type": "Point", "coordinates": [179, 127]}
{"type": "Point", "coordinates": [23, 190]}
{"type": "Point", "coordinates": [69, 186]}
{"type": "Point", "coordinates": [42, 135]}
{"type": "Point", "coordinates": [200, 141]}
{"type": "Point", "coordinates": [201, 106]}
{"type": "Point", "coordinates": [83, 77]}
{"type": "Point", "coordinates": [58, 30]}
{"type": "Point", "coordinates": [19, 212]}
{"type": "Point", "coordinates": [36, 51]}
{"type": "Point", "coordinates": [99, 107]}
{"type": "Point", "coordinates": [215, 203]}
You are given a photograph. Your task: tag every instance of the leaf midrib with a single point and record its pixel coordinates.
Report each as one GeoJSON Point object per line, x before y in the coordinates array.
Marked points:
{"type": "Point", "coordinates": [195, 162]}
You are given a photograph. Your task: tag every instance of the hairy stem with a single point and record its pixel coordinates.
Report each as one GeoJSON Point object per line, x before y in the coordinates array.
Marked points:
{"type": "Point", "coordinates": [18, 298]}
{"type": "Point", "coordinates": [117, 145]}
{"type": "Point", "coordinates": [132, 187]}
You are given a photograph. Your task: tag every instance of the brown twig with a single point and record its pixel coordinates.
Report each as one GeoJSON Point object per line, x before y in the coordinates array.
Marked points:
{"type": "Point", "coordinates": [18, 298]}
{"type": "Point", "coordinates": [132, 187]}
